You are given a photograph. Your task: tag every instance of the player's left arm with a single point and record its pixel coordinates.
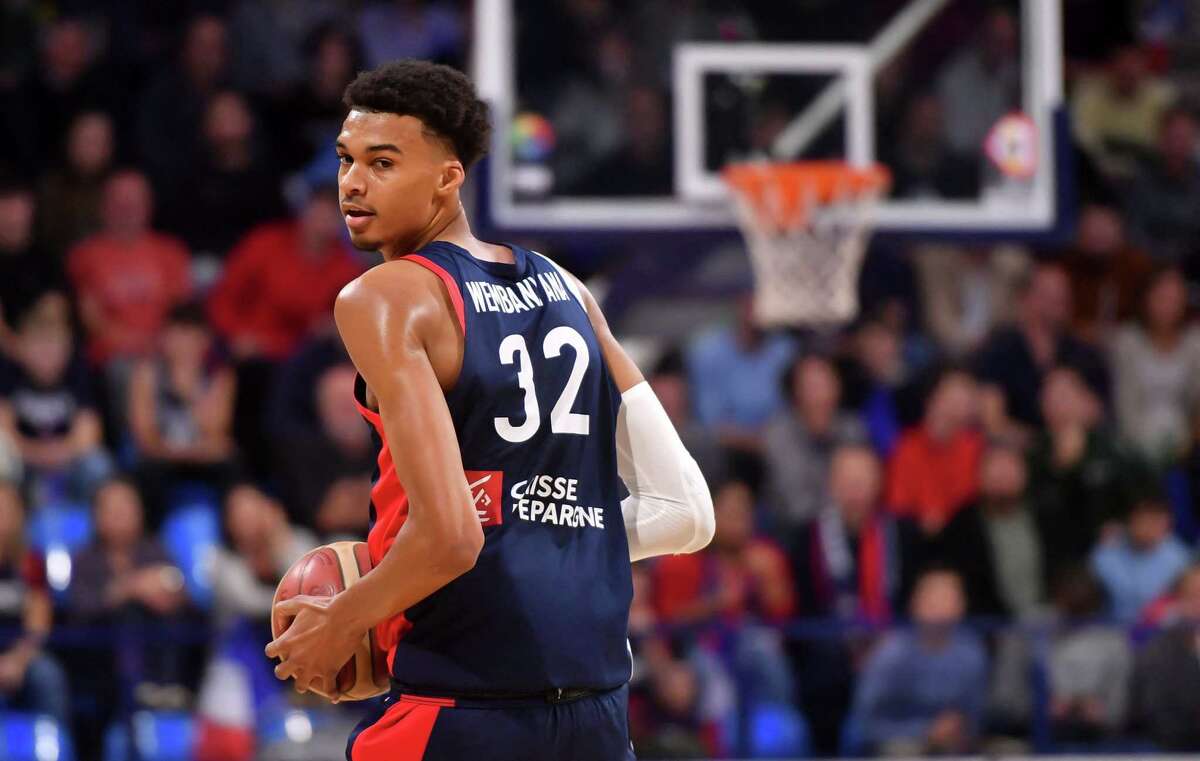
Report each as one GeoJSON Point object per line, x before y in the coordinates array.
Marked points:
{"type": "Point", "coordinates": [669, 509]}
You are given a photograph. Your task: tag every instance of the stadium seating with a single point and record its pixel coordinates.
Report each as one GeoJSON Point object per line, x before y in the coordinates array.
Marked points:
{"type": "Point", "coordinates": [778, 731]}
{"type": "Point", "coordinates": [191, 535]}
{"type": "Point", "coordinates": [30, 737]}
{"type": "Point", "coordinates": [152, 737]}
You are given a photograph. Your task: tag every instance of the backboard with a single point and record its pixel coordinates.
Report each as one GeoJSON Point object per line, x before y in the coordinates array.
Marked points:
{"type": "Point", "coordinates": [621, 121]}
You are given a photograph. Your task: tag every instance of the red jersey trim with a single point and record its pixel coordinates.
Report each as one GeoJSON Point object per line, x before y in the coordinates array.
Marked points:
{"type": "Point", "coordinates": [451, 287]}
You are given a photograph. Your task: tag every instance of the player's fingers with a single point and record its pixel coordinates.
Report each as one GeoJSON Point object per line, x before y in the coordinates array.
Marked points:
{"type": "Point", "coordinates": [277, 648]}
{"type": "Point", "coordinates": [285, 670]}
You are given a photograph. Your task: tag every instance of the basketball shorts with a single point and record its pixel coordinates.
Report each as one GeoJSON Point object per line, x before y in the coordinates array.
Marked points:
{"type": "Point", "coordinates": [418, 728]}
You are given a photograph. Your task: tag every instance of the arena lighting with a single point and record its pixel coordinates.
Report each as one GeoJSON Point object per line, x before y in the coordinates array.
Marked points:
{"type": "Point", "coordinates": [58, 567]}
{"type": "Point", "coordinates": [298, 727]}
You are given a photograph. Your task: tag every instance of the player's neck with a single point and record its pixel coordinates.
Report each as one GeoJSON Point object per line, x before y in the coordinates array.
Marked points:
{"type": "Point", "coordinates": [455, 228]}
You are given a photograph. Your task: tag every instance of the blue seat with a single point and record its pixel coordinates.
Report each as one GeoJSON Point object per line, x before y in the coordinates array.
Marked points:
{"type": "Point", "coordinates": [30, 737]}
{"type": "Point", "coordinates": [192, 494]}
{"type": "Point", "coordinates": [191, 535]}
{"type": "Point", "coordinates": [778, 730]}
{"type": "Point", "coordinates": [152, 736]}
{"type": "Point", "coordinates": [853, 742]}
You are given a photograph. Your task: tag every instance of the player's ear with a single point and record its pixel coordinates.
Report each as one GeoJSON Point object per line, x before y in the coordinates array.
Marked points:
{"type": "Point", "coordinates": [453, 176]}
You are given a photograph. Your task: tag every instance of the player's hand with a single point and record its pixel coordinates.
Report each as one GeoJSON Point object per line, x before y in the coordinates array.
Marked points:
{"type": "Point", "coordinates": [314, 646]}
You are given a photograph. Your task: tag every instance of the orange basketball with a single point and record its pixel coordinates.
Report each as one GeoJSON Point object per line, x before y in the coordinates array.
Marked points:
{"type": "Point", "coordinates": [324, 572]}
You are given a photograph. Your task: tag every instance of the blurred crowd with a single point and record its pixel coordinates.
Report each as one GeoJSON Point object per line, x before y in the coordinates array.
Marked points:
{"type": "Point", "coordinates": [966, 521]}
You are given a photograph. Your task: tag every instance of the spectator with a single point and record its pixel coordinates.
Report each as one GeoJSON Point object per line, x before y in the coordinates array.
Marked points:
{"type": "Point", "coordinates": [1091, 664]}
{"type": "Point", "coordinates": [326, 470]}
{"type": "Point", "coordinates": [125, 581]}
{"type": "Point", "coordinates": [46, 407]}
{"type": "Point", "coordinates": [853, 561]}
{"type": "Point", "coordinates": [68, 81]}
{"type": "Point", "coordinates": [1015, 360]}
{"type": "Point", "coordinates": [994, 544]}
{"type": "Point", "coordinates": [171, 112]}
{"type": "Point", "coordinates": [966, 292]}
{"type": "Point", "coordinates": [261, 547]}
{"type": "Point", "coordinates": [1082, 482]}
{"type": "Point", "coordinates": [873, 376]}
{"type": "Point", "coordinates": [266, 40]}
{"type": "Point", "coordinates": [1166, 683]}
{"type": "Point", "coordinates": [309, 117]}
{"type": "Point", "coordinates": [1164, 202]}
{"type": "Point", "coordinates": [1117, 112]}
{"type": "Point", "coordinates": [800, 442]}
{"type": "Point", "coordinates": [70, 198]}
{"type": "Point", "coordinates": [25, 271]}
{"type": "Point", "coordinates": [641, 165]}
{"type": "Point", "coordinates": [1106, 273]}
{"type": "Point", "coordinates": [234, 186]}
{"type": "Point", "coordinates": [921, 691]}
{"type": "Point", "coordinates": [392, 29]}
{"type": "Point", "coordinates": [281, 281]}
{"type": "Point", "coordinates": [922, 164]}
{"type": "Point", "coordinates": [1156, 363]}
{"type": "Point", "coordinates": [668, 722]}
{"type": "Point", "coordinates": [735, 374]}
{"type": "Point", "coordinates": [30, 679]}
{"type": "Point", "coordinates": [181, 410]}
{"type": "Point", "coordinates": [982, 84]}
{"type": "Point", "coordinates": [935, 469]}
{"type": "Point", "coordinates": [670, 383]}
{"type": "Point", "coordinates": [127, 277]}
{"type": "Point", "coordinates": [1141, 564]}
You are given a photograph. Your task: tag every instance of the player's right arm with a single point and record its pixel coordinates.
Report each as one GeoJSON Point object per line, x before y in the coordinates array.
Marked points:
{"type": "Point", "coordinates": [669, 509]}
{"type": "Point", "coordinates": [389, 318]}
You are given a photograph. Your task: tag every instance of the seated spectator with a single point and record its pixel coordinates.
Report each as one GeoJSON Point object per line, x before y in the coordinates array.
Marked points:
{"type": "Point", "coordinates": [983, 83]}
{"type": "Point", "coordinates": [994, 544]}
{"type": "Point", "coordinates": [46, 407]}
{"type": "Point", "coordinates": [69, 198]}
{"type": "Point", "coordinates": [641, 163]}
{"type": "Point", "coordinates": [1015, 360]}
{"type": "Point", "coordinates": [181, 410]}
{"type": "Point", "coordinates": [967, 292]}
{"type": "Point", "coordinates": [1139, 565]}
{"type": "Point", "coordinates": [923, 165]}
{"type": "Point", "coordinates": [667, 718]}
{"type": "Point", "coordinates": [127, 277]}
{"type": "Point", "coordinates": [1107, 275]}
{"type": "Point", "coordinates": [735, 372]}
{"type": "Point", "coordinates": [741, 579]}
{"type": "Point", "coordinates": [1090, 664]}
{"type": "Point", "coordinates": [935, 469]}
{"type": "Point", "coordinates": [1156, 368]}
{"type": "Point", "coordinates": [921, 691]}
{"type": "Point", "coordinates": [392, 30]}
{"type": "Point", "coordinates": [1165, 197]}
{"type": "Point", "coordinates": [873, 378]}
{"type": "Point", "coordinates": [670, 383]}
{"type": "Point", "coordinates": [125, 582]}
{"type": "Point", "coordinates": [25, 270]}
{"type": "Point", "coordinates": [1082, 482]}
{"type": "Point", "coordinates": [325, 472]}
{"type": "Point", "coordinates": [30, 679]}
{"type": "Point", "coordinates": [280, 281]}
{"type": "Point", "coordinates": [854, 561]}
{"type": "Point", "coordinates": [800, 442]}
{"type": "Point", "coordinates": [1166, 682]}
{"type": "Point", "coordinates": [1116, 113]}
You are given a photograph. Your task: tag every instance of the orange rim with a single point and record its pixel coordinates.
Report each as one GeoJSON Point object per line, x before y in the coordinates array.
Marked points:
{"type": "Point", "coordinates": [784, 191]}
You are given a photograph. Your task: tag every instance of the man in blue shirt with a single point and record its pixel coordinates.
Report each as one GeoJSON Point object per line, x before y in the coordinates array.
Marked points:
{"type": "Point", "coordinates": [1142, 563]}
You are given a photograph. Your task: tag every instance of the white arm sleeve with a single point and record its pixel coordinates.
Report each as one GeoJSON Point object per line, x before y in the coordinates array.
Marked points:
{"type": "Point", "coordinates": [669, 509]}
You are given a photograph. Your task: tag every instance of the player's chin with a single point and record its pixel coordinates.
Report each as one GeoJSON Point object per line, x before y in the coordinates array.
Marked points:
{"type": "Point", "coordinates": [365, 242]}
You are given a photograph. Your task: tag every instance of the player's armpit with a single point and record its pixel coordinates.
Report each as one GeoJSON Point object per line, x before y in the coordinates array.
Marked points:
{"type": "Point", "coordinates": [624, 371]}
{"type": "Point", "coordinates": [669, 509]}
{"type": "Point", "coordinates": [387, 319]}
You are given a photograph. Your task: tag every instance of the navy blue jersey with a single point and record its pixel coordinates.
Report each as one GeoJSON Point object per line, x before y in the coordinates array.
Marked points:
{"type": "Point", "coordinates": [535, 412]}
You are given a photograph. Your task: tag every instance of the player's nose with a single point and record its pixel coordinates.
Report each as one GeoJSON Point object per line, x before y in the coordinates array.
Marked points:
{"type": "Point", "coordinates": [351, 183]}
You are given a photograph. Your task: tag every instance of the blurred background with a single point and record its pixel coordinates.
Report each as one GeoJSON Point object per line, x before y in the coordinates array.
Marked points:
{"type": "Point", "coordinates": [965, 520]}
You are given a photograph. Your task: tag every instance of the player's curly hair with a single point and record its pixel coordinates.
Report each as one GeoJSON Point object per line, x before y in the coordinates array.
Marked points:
{"type": "Point", "coordinates": [443, 98]}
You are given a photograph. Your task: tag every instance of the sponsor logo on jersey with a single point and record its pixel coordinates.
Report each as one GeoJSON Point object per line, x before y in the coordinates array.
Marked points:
{"type": "Point", "coordinates": [550, 499]}
{"type": "Point", "coordinates": [487, 491]}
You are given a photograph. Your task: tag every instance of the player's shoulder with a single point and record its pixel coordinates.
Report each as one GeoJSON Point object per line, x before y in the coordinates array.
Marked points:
{"type": "Point", "coordinates": [392, 287]}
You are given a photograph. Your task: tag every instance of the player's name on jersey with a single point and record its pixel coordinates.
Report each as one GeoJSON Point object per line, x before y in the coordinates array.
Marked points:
{"type": "Point", "coordinates": [531, 293]}
{"type": "Point", "coordinates": [527, 507]}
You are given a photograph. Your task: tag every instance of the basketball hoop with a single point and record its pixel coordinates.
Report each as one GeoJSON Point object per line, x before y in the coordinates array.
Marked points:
{"type": "Point", "coordinates": [806, 225]}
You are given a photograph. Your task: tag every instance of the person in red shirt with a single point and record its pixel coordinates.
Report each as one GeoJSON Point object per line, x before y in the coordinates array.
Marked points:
{"type": "Point", "coordinates": [127, 277]}
{"type": "Point", "coordinates": [281, 280]}
{"type": "Point", "coordinates": [935, 468]}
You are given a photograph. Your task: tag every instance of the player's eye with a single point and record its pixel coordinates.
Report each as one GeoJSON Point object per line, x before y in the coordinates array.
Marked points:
{"type": "Point", "coordinates": [383, 163]}
{"type": "Point", "coordinates": [344, 159]}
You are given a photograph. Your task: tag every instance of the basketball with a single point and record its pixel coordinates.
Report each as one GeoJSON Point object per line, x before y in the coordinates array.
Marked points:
{"type": "Point", "coordinates": [324, 572]}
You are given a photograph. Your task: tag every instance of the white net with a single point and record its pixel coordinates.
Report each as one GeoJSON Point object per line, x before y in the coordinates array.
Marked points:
{"type": "Point", "coordinates": [806, 244]}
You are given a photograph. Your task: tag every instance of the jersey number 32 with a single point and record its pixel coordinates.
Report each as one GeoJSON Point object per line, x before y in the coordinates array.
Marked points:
{"type": "Point", "coordinates": [514, 349]}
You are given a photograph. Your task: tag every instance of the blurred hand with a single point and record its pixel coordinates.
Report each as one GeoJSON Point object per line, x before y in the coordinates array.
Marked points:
{"type": "Point", "coordinates": [948, 732]}
{"type": "Point", "coordinates": [12, 671]}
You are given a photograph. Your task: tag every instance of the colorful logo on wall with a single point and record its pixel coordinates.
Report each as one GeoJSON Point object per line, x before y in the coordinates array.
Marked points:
{"type": "Point", "coordinates": [532, 137]}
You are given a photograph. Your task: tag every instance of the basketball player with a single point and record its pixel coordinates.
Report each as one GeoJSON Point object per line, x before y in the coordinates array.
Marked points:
{"type": "Point", "coordinates": [508, 419]}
